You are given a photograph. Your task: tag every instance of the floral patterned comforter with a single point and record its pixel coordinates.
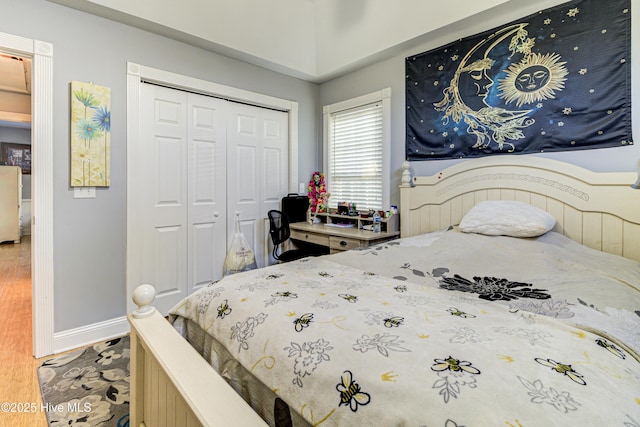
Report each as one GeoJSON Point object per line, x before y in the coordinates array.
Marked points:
{"type": "Point", "coordinates": [550, 275]}
{"type": "Point", "coordinates": [467, 331]}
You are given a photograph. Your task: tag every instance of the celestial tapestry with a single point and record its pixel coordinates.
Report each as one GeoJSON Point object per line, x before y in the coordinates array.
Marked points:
{"type": "Point", "coordinates": [557, 80]}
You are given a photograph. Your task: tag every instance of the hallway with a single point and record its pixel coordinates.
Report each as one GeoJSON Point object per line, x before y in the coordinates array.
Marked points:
{"type": "Point", "coordinates": [18, 379]}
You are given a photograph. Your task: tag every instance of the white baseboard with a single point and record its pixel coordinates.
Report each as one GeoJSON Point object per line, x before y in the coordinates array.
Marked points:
{"type": "Point", "coordinates": [90, 334]}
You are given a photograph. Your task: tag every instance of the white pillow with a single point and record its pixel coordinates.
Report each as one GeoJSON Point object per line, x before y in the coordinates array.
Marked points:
{"type": "Point", "coordinates": [507, 218]}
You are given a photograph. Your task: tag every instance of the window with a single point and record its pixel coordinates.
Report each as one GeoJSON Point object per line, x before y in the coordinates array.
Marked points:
{"type": "Point", "coordinates": [357, 150]}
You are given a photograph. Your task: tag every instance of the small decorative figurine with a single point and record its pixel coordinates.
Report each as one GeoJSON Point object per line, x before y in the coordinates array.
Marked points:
{"type": "Point", "coordinates": [318, 194]}
{"type": "Point", "coordinates": [316, 189]}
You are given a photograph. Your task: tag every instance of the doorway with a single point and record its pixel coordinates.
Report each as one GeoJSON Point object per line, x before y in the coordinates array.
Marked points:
{"type": "Point", "coordinates": [41, 54]}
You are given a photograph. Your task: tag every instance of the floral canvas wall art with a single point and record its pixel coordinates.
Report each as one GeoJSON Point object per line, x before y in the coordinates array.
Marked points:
{"type": "Point", "coordinates": [90, 135]}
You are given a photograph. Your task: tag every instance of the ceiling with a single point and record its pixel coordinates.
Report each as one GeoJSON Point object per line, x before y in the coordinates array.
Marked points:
{"type": "Point", "coordinates": [15, 91]}
{"type": "Point", "coordinates": [16, 74]}
{"type": "Point", "coordinates": [314, 40]}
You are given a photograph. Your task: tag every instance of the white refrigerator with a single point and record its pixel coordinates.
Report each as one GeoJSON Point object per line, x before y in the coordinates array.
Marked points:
{"type": "Point", "coordinates": [10, 203]}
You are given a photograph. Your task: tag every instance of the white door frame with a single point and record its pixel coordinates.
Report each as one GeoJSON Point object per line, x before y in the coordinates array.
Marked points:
{"type": "Point", "coordinates": [41, 185]}
{"type": "Point", "coordinates": [136, 74]}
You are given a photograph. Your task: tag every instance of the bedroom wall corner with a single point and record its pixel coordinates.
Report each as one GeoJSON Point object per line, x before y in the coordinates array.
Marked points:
{"type": "Point", "coordinates": [391, 72]}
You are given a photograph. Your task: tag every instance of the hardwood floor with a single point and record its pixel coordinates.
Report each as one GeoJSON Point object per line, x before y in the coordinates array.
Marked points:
{"type": "Point", "coordinates": [18, 378]}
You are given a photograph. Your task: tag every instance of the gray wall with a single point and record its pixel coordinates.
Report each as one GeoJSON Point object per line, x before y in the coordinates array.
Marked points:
{"type": "Point", "coordinates": [90, 234]}
{"type": "Point", "coordinates": [391, 73]}
{"type": "Point", "coordinates": [18, 136]}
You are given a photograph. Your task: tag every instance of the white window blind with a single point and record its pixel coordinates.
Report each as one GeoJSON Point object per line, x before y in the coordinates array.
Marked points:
{"type": "Point", "coordinates": [356, 156]}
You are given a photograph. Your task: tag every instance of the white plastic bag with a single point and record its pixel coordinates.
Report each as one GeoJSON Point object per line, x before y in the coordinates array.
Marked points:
{"type": "Point", "coordinates": [240, 256]}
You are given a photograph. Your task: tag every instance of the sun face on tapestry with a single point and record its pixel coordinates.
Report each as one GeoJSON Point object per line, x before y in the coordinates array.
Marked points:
{"type": "Point", "coordinates": [90, 135]}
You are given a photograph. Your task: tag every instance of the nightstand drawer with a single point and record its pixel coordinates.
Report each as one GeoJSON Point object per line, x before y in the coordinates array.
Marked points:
{"type": "Point", "coordinates": [343, 243]}
{"type": "Point", "coordinates": [304, 236]}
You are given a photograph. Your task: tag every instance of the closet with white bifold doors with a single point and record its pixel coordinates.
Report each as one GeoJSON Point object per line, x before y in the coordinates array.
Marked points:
{"type": "Point", "coordinates": [203, 160]}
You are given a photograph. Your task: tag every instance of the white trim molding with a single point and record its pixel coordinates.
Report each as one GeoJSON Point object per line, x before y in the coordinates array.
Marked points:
{"type": "Point", "coordinates": [90, 334]}
{"type": "Point", "coordinates": [383, 96]}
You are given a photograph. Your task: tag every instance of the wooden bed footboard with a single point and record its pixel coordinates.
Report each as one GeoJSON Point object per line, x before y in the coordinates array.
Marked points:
{"type": "Point", "coordinates": [171, 384]}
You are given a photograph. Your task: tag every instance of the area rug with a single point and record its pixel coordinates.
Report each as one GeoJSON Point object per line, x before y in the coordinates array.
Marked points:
{"type": "Point", "coordinates": [89, 386]}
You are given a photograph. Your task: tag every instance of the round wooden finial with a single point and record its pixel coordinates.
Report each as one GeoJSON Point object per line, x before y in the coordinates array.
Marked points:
{"type": "Point", "coordinates": [406, 173]}
{"type": "Point", "coordinates": [143, 296]}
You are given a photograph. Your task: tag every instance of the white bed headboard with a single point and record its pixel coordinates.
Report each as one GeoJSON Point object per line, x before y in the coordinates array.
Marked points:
{"type": "Point", "coordinates": [599, 210]}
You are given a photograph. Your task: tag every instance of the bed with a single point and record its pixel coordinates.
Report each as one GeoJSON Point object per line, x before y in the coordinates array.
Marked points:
{"type": "Point", "coordinates": [448, 326]}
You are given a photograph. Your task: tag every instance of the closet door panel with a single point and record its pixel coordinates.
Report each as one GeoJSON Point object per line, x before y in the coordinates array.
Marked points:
{"type": "Point", "coordinates": [203, 265]}
{"type": "Point", "coordinates": [164, 197]}
{"type": "Point", "coordinates": [167, 254]}
{"type": "Point", "coordinates": [167, 210]}
{"type": "Point", "coordinates": [275, 159]}
{"type": "Point", "coordinates": [273, 185]}
{"type": "Point", "coordinates": [204, 170]}
{"type": "Point", "coordinates": [244, 172]}
{"type": "Point", "coordinates": [275, 167]}
{"type": "Point", "coordinates": [258, 153]}
{"type": "Point", "coordinates": [207, 190]}
{"type": "Point", "coordinates": [168, 156]}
